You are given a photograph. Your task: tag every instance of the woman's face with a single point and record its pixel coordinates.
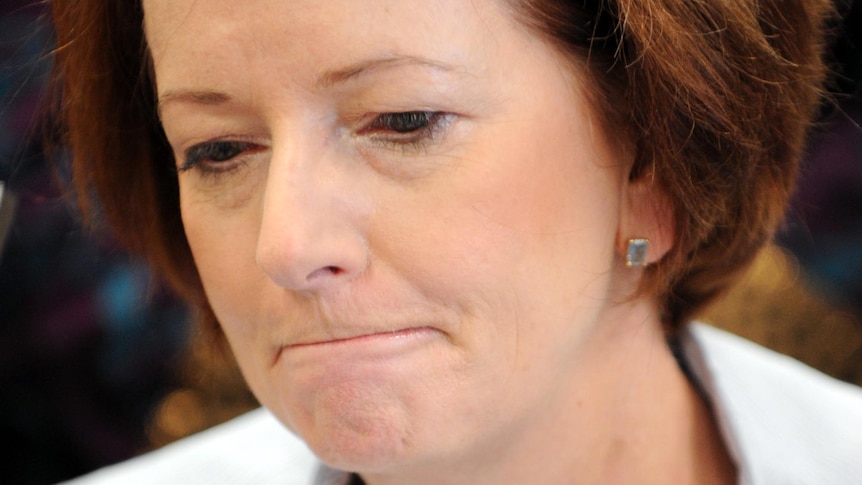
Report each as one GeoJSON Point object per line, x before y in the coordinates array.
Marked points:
{"type": "Point", "coordinates": [405, 215]}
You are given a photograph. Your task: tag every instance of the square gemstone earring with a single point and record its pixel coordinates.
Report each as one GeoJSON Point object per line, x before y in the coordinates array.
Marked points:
{"type": "Point", "coordinates": [636, 252]}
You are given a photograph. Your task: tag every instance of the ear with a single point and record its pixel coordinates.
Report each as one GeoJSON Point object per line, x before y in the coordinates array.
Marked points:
{"type": "Point", "coordinates": [647, 212]}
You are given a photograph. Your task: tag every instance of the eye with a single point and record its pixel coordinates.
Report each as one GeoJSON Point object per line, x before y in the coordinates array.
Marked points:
{"type": "Point", "coordinates": [407, 130]}
{"type": "Point", "coordinates": [403, 122]}
{"type": "Point", "coordinates": [212, 156]}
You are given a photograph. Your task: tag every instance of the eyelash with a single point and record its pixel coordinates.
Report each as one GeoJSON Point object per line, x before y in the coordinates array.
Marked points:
{"type": "Point", "coordinates": [408, 130]}
{"type": "Point", "coordinates": [211, 157]}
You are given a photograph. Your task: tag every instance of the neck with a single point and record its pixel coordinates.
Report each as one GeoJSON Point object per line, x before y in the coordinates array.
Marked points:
{"type": "Point", "coordinates": [630, 416]}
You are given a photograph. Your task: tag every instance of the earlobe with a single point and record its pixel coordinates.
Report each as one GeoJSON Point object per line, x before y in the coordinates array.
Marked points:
{"type": "Point", "coordinates": [647, 223]}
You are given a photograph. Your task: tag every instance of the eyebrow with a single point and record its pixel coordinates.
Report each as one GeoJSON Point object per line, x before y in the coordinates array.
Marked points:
{"type": "Point", "coordinates": [202, 97]}
{"type": "Point", "coordinates": [340, 76]}
{"type": "Point", "coordinates": [326, 79]}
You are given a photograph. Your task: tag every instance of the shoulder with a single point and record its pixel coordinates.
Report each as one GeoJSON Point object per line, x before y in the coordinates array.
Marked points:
{"type": "Point", "coordinates": [783, 421]}
{"type": "Point", "coordinates": [253, 448]}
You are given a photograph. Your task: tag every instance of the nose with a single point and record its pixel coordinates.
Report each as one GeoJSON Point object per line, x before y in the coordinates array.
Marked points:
{"type": "Point", "coordinates": [310, 238]}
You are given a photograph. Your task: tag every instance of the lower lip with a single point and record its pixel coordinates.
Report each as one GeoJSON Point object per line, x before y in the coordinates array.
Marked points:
{"type": "Point", "coordinates": [377, 345]}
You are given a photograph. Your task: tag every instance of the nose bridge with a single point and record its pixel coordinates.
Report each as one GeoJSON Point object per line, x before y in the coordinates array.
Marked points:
{"type": "Point", "coordinates": [308, 238]}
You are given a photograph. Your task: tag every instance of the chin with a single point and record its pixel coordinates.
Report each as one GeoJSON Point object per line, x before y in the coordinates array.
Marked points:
{"type": "Point", "coordinates": [356, 429]}
{"type": "Point", "coordinates": [375, 447]}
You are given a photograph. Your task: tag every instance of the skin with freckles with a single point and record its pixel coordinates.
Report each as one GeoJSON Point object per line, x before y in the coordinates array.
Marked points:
{"type": "Point", "coordinates": [409, 222]}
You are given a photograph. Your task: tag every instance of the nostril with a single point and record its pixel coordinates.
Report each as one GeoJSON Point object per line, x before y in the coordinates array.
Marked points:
{"type": "Point", "coordinates": [323, 272]}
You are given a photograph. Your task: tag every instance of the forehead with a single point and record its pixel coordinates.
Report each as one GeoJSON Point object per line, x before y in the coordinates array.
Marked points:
{"type": "Point", "coordinates": [285, 33]}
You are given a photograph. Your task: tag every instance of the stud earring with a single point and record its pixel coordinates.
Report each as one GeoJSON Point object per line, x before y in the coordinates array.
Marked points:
{"type": "Point", "coordinates": [636, 252]}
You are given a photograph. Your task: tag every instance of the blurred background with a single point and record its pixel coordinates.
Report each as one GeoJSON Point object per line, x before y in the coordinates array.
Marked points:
{"type": "Point", "coordinates": [95, 360]}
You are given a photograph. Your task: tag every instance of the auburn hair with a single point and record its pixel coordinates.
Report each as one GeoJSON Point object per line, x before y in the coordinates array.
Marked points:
{"type": "Point", "coordinates": [714, 96]}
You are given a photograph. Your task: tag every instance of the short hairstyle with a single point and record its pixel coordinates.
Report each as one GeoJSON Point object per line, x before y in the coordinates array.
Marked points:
{"type": "Point", "coordinates": [714, 96]}
{"type": "Point", "coordinates": [717, 96]}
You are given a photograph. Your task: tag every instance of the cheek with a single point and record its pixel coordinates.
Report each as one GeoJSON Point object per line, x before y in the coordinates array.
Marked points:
{"type": "Point", "coordinates": [223, 244]}
{"type": "Point", "coordinates": [518, 242]}
{"type": "Point", "coordinates": [532, 207]}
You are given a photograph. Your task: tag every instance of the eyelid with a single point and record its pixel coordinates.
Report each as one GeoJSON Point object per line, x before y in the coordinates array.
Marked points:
{"type": "Point", "coordinates": [437, 124]}
{"type": "Point", "coordinates": [385, 121]}
{"type": "Point", "coordinates": [196, 156]}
